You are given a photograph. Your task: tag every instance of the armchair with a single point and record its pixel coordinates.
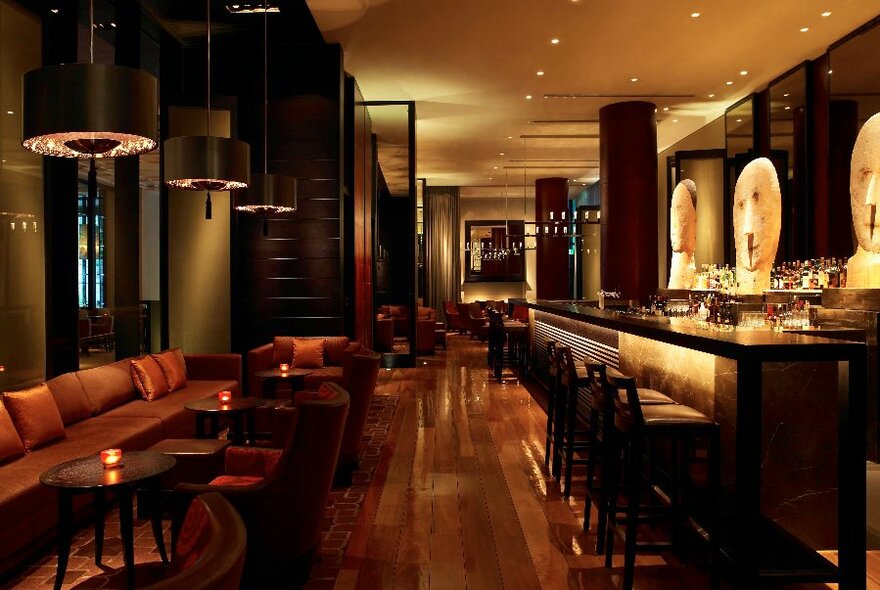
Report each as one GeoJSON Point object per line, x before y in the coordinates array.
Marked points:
{"type": "Point", "coordinates": [362, 372]}
{"type": "Point", "coordinates": [282, 495]}
{"type": "Point", "coordinates": [211, 551]}
{"type": "Point", "coordinates": [454, 320]}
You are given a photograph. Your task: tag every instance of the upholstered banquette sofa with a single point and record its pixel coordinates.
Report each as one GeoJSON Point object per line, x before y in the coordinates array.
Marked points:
{"type": "Point", "coordinates": [327, 366]}
{"type": "Point", "coordinates": [78, 414]}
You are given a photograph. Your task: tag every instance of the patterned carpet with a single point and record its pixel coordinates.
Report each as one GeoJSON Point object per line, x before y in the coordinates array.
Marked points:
{"type": "Point", "coordinates": [343, 508]}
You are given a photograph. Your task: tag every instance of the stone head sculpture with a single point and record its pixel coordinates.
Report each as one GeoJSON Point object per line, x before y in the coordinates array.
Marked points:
{"type": "Point", "coordinates": [863, 269]}
{"type": "Point", "coordinates": [757, 220]}
{"type": "Point", "coordinates": [683, 234]}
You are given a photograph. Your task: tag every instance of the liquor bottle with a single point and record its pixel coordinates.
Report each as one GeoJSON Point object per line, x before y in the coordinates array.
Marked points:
{"type": "Point", "coordinates": [843, 273]}
{"type": "Point", "coordinates": [823, 274]}
{"type": "Point", "coordinates": [806, 275]}
{"type": "Point", "coordinates": [833, 274]}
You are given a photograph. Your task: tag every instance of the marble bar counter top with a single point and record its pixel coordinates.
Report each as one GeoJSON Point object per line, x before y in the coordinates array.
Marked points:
{"type": "Point", "coordinates": [791, 413]}
{"type": "Point", "coordinates": [735, 344]}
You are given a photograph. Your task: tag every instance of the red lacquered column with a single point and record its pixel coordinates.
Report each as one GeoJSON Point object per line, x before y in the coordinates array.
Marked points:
{"type": "Point", "coordinates": [551, 195]}
{"type": "Point", "coordinates": [628, 177]}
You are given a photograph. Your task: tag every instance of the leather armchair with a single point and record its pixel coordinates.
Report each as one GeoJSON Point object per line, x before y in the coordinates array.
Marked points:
{"type": "Point", "coordinates": [383, 334]}
{"type": "Point", "coordinates": [282, 496]}
{"type": "Point", "coordinates": [362, 372]}
{"type": "Point", "coordinates": [211, 550]}
{"type": "Point", "coordinates": [453, 318]}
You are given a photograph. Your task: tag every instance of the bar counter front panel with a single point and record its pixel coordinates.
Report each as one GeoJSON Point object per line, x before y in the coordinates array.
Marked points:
{"type": "Point", "coordinates": [783, 481]}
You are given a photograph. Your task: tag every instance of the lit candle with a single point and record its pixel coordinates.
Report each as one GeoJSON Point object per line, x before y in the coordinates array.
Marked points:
{"type": "Point", "coordinates": [111, 458]}
{"type": "Point", "coordinates": [284, 367]}
{"type": "Point", "coordinates": [225, 396]}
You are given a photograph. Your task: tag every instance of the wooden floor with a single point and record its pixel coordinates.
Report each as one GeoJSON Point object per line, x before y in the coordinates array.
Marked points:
{"type": "Point", "coordinates": [463, 499]}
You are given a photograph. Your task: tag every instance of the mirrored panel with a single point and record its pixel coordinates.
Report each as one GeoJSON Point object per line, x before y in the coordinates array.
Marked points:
{"type": "Point", "coordinates": [494, 250]}
{"type": "Point", "coordinates": [395, 235]}
{"type": "Point", "coordinates": [788, 151]}
{"type": "Point", "coordinates": [855, 97]}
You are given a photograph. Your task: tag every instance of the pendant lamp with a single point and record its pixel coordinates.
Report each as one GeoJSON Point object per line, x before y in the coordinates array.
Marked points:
{"type": "Point", "coordinates": [268, 194]}
{"type": "Point", "coordinates": [107, 110]}
{"type": "Point", "coordinates": [206, 162]}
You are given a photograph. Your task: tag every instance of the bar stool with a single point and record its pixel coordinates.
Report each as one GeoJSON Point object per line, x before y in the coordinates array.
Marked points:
{"type": "Point", "coordinates": [602, 442]}
{"type": "Point", "coordinates": [551, 399]}
{"type": "Point", "coordinates": [636, 424]}
{"type": "Point", "coordinates": [569, 439]}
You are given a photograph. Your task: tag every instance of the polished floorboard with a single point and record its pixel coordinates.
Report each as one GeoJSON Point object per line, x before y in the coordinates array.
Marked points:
{"type": "Point", "coordinates": [463, 500]}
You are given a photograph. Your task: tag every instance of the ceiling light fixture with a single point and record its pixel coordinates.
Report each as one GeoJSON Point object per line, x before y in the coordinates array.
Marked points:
{"type": "Point", "coordinates": [500, 153]}
{"type": "Point", "coordinates": [787, 108]}
{"type": "Point", "coordinates": [554, 41]}
{"type": "Point", "coordinates": [739, 120]}
{"type": "Point", "coordinates": [787, 94]}
{"type": "Point", "coordinates": [804, 29]}
{"type": "Point", "coordinates": [633, 79]}
{"type": "Point", "coordinates": [111, 110]}
{"type": "Point", "coordinates": [729, 82]}
{"type": "Point", "coordinates": [252, 7]}
{"type": "Point", "coordinates": [826, 13]}
{"type": "Point", "coordinates": [509, 137]}
{"type": "Point", "coordinates": [743, 72]}
{"type": "Point", "coordinates": [10, 112]}
{"type": "Point", "coordinates": [268, 194]}
{"type": "Point", "coordinates": [675, 120]}
{"type": "Point", "coordinates": [665, 108]}
{"type": "Point", "coordinates": [206, 162]}
{"type": "Point", "coordinates": [695, 15]}
{"type": "Point", "coordinates": [528, 97]}
{"type": "Point", "coordinates": [54, 11]}
{"type": "Point", "coordinates": [540, 72]}
{"type": "Point", "coordinates": [711, 96]}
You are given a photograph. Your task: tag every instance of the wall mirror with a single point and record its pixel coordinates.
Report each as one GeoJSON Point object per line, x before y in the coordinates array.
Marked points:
{"type": "Point", "coordinates": [493, 250]}
{"type": "Point", "coordinates": [788, 151]}
{"type": "Point", "coordinates": [739, 137]}
{"type": "Point", "coordinates": [395, 235]}
{"type": "Point", "coordinates": [855, 97]}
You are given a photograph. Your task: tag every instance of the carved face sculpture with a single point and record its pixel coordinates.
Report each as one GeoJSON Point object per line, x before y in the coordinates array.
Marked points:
{"type": "Point", "coordinates": [683, 217]}
{"type": "Point", "coordinates": [757, 215]}
{"type": "Point", "coordinates": [864, 185]}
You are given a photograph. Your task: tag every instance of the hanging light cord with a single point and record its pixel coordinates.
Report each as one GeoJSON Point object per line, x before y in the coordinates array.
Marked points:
{"type": "Point", "coordinates": [208, 92]}
{"type": "Point", "coordinates": [265, 88]}
{"type": "Point", "coordinates": [91, 31]}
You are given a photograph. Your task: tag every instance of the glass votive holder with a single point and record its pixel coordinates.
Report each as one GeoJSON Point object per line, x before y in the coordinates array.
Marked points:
{"type": "Point", "coordinates": [111, 458]}
{"type": "Point", "coordinates": [225, 396]}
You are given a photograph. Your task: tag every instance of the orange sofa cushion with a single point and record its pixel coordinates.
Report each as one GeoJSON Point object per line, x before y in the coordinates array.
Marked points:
{"type": "Point", "coordinates": [10, 443]}
{"type": "Point", "coordinates": [308, 353]}
{"type": "Point", "coordinates": [148, 378]}
{"type": "Point", "coordinates": [70, 397]}
{"type": "Point", "coordinates": [234, 480]}
{"type": "Point", "coordinates": [35, 415]}
{"type": "Point", "coordinates": [173, 368]}
{"type": "Point", "coordinates": [108, 386]}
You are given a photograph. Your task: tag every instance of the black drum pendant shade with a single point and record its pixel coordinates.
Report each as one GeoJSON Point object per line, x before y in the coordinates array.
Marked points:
{"type": "Point", "coordinates": [107, 111]}
{"type": "Point", "coordinates": [268, 194]}
{"type": "Point", "coordinates": [206, 163]}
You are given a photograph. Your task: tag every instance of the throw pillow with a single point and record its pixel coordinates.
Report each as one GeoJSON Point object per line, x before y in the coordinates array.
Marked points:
{"type": "Point", "coordinates": [35, 415]}
{"type": "Point", "coordinates": [10, 443]}
{"type": "Point", "coordinates": [148, 378]}
{"type": "Point", "coordinates": [308, 353]}
{"type": "Point", "coordinates": [173, 369]}
{"type": "Point", "coordinates": [326, 392]}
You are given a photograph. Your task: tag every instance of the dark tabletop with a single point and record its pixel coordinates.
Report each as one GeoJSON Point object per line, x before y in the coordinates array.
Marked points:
{"type": "Point", "coordinates": [88, 472]}
{"type": "Point", "coordinates": [236, 404]}
{"type": "Point", "coordinates": [289, 374]}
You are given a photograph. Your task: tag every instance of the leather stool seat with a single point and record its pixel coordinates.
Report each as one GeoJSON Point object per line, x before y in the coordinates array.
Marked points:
{"type": "Point", "coordinates": [674, 415]}
{"type": "Point", "coordinates": [652, 397]}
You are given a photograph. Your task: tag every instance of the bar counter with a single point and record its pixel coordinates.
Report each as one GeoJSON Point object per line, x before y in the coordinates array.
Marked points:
{"type": "Point", "coordinates": [791, 411]}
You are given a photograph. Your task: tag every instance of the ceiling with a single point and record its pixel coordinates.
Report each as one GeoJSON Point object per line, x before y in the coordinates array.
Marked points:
{"type": "Point", "coordinates": [470, 65]}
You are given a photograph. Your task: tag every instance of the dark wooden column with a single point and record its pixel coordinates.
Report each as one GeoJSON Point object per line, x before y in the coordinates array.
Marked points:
{"type": "Point", "coordinates": [628, 184]}
{"type": "Point", "coordinates": [126, 306]}
{"type": "Point", "coordinates": [60, 212]}
{"type": "Point", "coordinates": [551, 276]}
{"type": "Point", "coordinates": [843, 130]}
{"type": "Point", "coordinates": [818, 85]}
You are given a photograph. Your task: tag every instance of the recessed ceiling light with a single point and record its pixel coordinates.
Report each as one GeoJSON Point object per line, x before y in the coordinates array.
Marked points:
{"type": "Point", "coordinates": [509, 137]}
{"type": "Point", "coordinates": [528, 97]}
{"type": "Point", "coordinates": [490, 178]}
{"type": "Point", "coordinates": [494, 167]}
{"type": "Point", "coordinates": [743, 72]}
{"type": "Point", "coordinates": [2, 161]}
{"type": "Point", "coordinates": [554, 41]}
{"type": "Point", "coordinates": [786, 94]}
{"type": "Point", "coordinates": [500, 153]}
{"type": "Point", "coordinates": [540, 72]}
{"type": "Point", "coordinates": [675, 120]}
{"type": "Point", "coordinates": [113, 25]}
{"type": "Point", "coordinates": [665, 108]}
{"type": "Point", "coordinates": [695, 15]}
{"type": "Point", "coordinates": [826, 13]}
{"type": "Point", "coordinates": [787, 108]}
{"type": "Point", "coordinates": [830, 71]}
{"type": "Point", "coordinates": [729, 82]}
{"type": "Point", "coordinates": [739, 120]}
{"type": "Point", "coordinates": [633, 79]}
{"type": "Point", "coordinates": [804, 29]}
{"type": "Point", "coordinates": [10, 112]}
{"type": "Point", "coordinates": [53, 11]}
{"type": "Point", "coordinates": [711, 96]}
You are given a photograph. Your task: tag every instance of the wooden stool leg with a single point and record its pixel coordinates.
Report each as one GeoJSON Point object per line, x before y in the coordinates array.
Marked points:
{"type": "Point", "coordinates": [632, 511]}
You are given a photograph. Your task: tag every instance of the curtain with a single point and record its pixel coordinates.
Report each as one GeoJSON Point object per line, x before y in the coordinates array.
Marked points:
{"type": "Point", "coordinates": [443, 275]}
